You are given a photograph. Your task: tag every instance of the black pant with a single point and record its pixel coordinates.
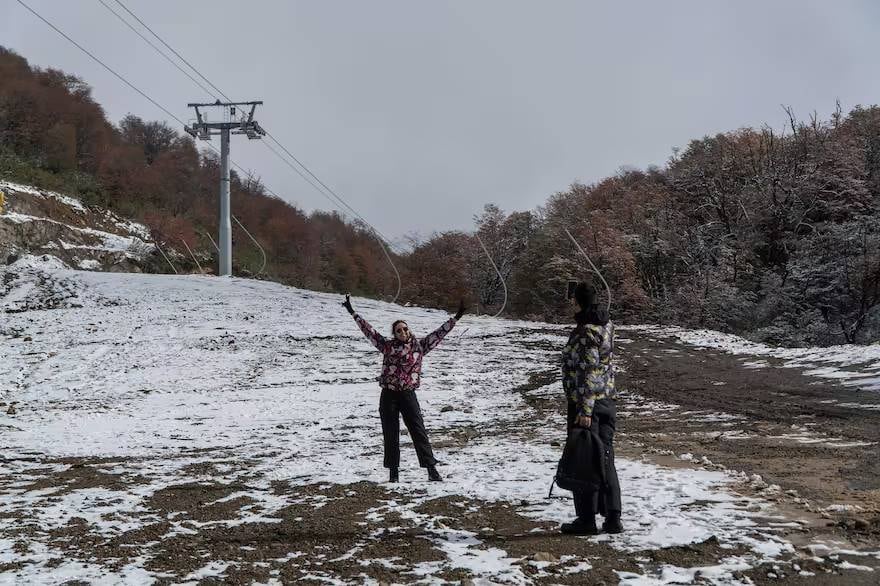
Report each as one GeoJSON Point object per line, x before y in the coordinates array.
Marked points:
{"type": "Point", "coordinates": [393, 404]}
{"type": "Point", "coordinates": [607, 500]}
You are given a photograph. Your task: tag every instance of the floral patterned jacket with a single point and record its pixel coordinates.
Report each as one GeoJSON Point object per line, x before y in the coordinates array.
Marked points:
{"type": "Point", "coordinates": [587, 366]}
{"type": "Point", "coordinates": [402, 361]}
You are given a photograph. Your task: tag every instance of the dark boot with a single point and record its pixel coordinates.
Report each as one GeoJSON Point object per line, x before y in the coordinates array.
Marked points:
{"type": "Point", "coordinates": [581, 526]}
{"type": "Point", "coordinates": [612, 523]}
{"type": "Point", "coordinates": [392, 475]}
{"type": "Point", "coordinates": [433, 475]}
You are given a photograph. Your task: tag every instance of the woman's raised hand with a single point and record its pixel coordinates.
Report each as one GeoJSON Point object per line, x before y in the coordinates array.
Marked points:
{"type": "Point", "coordinates": [347, 304]}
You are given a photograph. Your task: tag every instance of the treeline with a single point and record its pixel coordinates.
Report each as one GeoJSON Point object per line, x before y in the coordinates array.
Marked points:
{"type": "Point", "coordinates": [773, 235]}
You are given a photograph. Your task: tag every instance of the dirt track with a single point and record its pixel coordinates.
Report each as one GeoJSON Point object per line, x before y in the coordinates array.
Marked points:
{"type": "Point", "coordinates": [778, 422]}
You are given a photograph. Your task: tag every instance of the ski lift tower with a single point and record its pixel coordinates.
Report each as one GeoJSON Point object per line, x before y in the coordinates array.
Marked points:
{"type": "Point", "coordinates": [237, 118]}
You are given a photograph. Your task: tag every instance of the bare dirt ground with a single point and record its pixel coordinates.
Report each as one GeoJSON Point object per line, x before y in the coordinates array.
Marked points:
{"type": "Point", "coordinates": [777, 422]}
{"type": "Point", "coordinates": [681, 407]}
{"type": "Point", "coordinates": [812, 442]}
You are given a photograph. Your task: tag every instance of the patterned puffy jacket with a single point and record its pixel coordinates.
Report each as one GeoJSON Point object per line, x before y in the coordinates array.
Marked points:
{"type": "Point", "coordinates": [587, 366]}
{"type": "Point", "coordinates": [402, 361]}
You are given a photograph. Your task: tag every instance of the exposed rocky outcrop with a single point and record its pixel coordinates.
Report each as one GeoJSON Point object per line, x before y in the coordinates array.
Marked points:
{"type": "Point", "coordinates": [34, 221]}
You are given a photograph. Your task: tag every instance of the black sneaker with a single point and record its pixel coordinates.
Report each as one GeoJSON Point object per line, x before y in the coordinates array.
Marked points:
{"type": "Point", "coordinates": [433, 475]}
{"type": "Point", "coordinates": [612, 524]}
{"type": "Point", "coordinates": [581, 526]}
{"type": "Point", "coordinates": [393, 475]}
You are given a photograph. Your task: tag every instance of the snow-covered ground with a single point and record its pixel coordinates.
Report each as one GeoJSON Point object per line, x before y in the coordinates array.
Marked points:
{"type": "Point", "coordinates": [157, 374]}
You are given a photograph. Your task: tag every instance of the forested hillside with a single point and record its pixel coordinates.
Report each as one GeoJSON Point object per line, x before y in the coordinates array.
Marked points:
{"type": "Point", "coordinates": [766, 233]}
{"type": "Point", "coordinates": [775, 235]}
{"type": "Point", "coordinates": [54, 135]}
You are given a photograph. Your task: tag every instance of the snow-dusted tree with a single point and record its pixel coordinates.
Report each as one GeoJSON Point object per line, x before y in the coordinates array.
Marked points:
{"type": "Point", "coordinates": [505, 237]}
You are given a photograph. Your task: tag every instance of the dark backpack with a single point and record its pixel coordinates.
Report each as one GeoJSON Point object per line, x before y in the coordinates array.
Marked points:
{"type": "Point", "coordinates": [582, 465]}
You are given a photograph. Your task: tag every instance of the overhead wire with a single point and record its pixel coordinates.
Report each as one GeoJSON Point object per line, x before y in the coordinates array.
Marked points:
{"type": "Point", "coordinates": [136, 89]}
{"type": "Point", "coordinates": [379, 237]}
{"type": "Point", "coordinates": [170, 48]}
{"type": "Point", "coordinates": [101, 63]}
{"type": "Point", "coordinates": [300, 173]}
{"type": "Point", "coordinates": [324, 185]}
{"type": "Point", "coordinates": [198, 83]}
{"type": "Point", "coordinates": [326, 189]}
{"type": "Point", "coordinates": [383, 241]}
{"type": "Point", "coordinates": [157, 49]}
{"type": "Point", "coordinates": [228, 99]}
{"type": "Point", "coordinates": [176, 118]}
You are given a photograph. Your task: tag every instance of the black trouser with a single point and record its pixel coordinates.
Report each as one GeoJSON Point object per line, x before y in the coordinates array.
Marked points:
{"type": "Point", "coordinates": [393, 404]}
{"type": "Point", "coordinates": [607, 500]}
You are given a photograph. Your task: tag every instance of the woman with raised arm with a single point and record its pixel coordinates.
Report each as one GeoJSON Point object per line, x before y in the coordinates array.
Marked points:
{"type": "Point", "coordinates": [588, 381]}
{"type": "Point", "coordinates": [401, 374]}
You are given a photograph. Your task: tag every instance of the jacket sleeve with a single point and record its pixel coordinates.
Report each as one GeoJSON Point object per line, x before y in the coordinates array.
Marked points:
{"type": "Point", "coordinates": [431, 341]}
{"type": "Point", "coordinates": [377, 339]}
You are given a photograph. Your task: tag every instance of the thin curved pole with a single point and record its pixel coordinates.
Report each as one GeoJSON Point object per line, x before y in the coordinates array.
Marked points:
{"type": "Point", "coordinates": [189, 250]}
{"type": "Point", "coordinates": [159, 248]}
{"type": "Point", "coordinates": [254, 240]}
{"type": "Point", "coordinates": [503, 284]}
{"type": "Point", "coordinates": [597, 271]}
{"type": "Point", "coordinates": [211, 238]}
{"type": "Point", "coordinates": [391, 262]}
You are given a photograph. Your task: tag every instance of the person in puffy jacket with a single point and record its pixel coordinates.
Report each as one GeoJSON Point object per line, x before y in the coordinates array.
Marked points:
{"type": "Point", "coordinates": [401, 375]}
{"type": "Point", "coordinates": [588, 381]}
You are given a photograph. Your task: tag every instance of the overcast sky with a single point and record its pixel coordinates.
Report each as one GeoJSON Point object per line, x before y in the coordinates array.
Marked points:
{"type": "Point", "coordinates": [419, 112]}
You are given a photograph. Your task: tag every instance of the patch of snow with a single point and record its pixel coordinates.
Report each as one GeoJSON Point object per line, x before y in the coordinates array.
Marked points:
{"type": "Point", "coordinates": [844, 508]}
{"type": "Point", "coordinates": [867, 406]}
{"type": "Point", "coordinates": [579, 568]}
{"type": "Point", "coordinates": [39, 262]}
{"type": "Point", "coordinates": [669, 574]}
{"type": "Point", "coordinates": [211, 570]}
{"type": "Point", "coordinates": [461, 551]}
{"type": "Point", "coordinates": [70, 202]}
{"type": "Point", "coordinates": [845, 565]}
{"type": "Point", "coordinates": [129, 226]}
{"type": "Point", "coordinates": [89, 264]}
